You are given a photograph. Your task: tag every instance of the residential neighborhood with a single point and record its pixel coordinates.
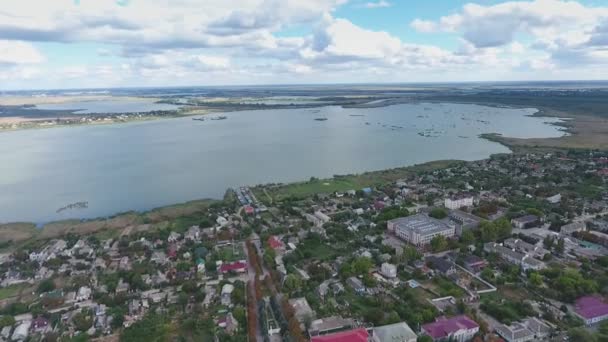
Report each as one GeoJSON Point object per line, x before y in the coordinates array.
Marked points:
{"type": "Point", "coordinates": [477, 251]}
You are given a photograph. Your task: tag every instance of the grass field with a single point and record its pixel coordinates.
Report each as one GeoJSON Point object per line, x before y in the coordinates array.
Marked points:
{"type": "Point", "coordinates": [229, 253]}
{"type": "Point", "coordinates": [11, 291]}
{"type": "Point", "coordinates": [344, 183]}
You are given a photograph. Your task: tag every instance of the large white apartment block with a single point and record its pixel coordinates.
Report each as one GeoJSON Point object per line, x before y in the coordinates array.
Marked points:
{"type": "Point", "coordinates": [419, 229]}
{"type": "Point", "coordinates": [458, 201]}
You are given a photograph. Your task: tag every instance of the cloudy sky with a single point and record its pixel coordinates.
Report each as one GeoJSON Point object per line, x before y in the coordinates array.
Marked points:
{"type": "Point", "coordinates": [114, 43]}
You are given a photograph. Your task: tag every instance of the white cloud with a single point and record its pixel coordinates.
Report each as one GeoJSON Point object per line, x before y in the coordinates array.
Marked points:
{"type": "Point", "coordinates": [517, 48]}
{"type": "Point", "coordinates": [17, 52]}
{"type": "Point", "coordinates": [487, 26]}
{"type": "Point", "coordinates": [156, 23]}
{"type": "Point", "coordinates": [377, 4]}
{"type": "Point", "coordinates": [425, 26]}
{"type": "Point", "coordinates": [169, 42]}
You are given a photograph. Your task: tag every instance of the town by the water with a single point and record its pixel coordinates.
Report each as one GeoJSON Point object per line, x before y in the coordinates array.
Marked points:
{"type": "Point", "coordinates": [511, 248]}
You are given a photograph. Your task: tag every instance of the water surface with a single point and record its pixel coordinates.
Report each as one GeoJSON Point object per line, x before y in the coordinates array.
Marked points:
{"type": "Point", "coordinates": [142, 165]}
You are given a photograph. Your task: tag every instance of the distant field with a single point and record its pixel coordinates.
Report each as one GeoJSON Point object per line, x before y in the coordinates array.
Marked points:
{"type": "Point", "coordinates": [585, 132]}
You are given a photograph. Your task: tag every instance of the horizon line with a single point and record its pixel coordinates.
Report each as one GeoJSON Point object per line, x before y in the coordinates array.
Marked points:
{"type": "Point", "coordinates": [303, 84]}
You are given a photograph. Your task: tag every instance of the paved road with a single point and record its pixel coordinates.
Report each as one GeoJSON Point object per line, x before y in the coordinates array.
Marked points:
{"type": "Point", "coordinates": [251, 291]}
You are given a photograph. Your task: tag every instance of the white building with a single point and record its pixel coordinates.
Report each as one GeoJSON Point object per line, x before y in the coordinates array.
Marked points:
{"type": "Point", "coordinates": [22, 331]}
{"type": "Point", "coordinates": [419, 229]}
{"type": "Point", "coordinates": [321, 216]}
{"type": "Point", "coordinates": [398, 332]}
{"type": "Point", "coordinates": [554, 199]}
{"type": "Point", "coordinates": [227, 290]}
{"type": "Point", "coordinates": [524, 260]}
{"type": "Point", "coordinates": [84, 293]}
{"type": "Point", "coordinates": [458, 201]}
{"type": "Point", "coordinates": [530, 329]}
{"type": "Point", "coordinates": [573, 227]}
{"type": "Point", "coordinates": [388, 270]}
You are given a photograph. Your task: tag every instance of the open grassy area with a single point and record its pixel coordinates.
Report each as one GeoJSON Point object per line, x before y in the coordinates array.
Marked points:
{"type": "Point", "coordinates": [230, 253]}
{"type": "Point", "coordinates": [344, 183]}
{"type": "Point", "coordinates": [11, 291]}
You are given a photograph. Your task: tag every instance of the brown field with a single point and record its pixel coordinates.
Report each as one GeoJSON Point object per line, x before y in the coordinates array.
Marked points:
{"type": "Point", "coordinates": [17, 231]}
{"type": "Point", "coordinates": [131, 222]}
{"type": "Point", "coordinates": [31, 100]}
{"type": "Point", "coordinates": [585, 132]}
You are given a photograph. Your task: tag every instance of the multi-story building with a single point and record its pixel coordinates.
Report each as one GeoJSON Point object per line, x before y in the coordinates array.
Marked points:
{"type": "Point", "coordinates": [419, 229]}
{"type": "Point", "coordinates": [458, 201]}
{"type": "Point", "coordinates": [530, 329]}
{"type": "Point", "coordinates": [526, 261]}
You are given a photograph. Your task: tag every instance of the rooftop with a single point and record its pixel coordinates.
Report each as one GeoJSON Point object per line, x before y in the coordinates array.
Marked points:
{"type": "Point", "coordinates": [526, 219]}
{"type": "Point", "coordinates": [394, 332]}
{"type": "Point", "coordinates": [420, 223]}
{"type": "Point", "coordinates": [355, 335]}
{"type": "Point", "coordinates": [330, 323]}
{"type": "Point", "coordinates": [444, 327]}
{"type": "Point", "coordinates": [591, 307]}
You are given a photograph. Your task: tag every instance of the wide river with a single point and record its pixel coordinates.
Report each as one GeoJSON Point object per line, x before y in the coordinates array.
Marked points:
{"type": "Point", "coordinates": [143, 165]}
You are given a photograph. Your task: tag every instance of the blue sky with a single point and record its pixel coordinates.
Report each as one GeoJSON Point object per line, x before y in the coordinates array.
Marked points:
{"type": "Point", "coordinates": [115, 43]}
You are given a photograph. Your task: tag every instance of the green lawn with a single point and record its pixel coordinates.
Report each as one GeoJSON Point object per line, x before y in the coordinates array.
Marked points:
{"type": "Point", "coordinates": [348, 182]}
{"type": "Point", "coordinates": [228, 254]}
{"type": "Point", "coordinates": [11, 291]}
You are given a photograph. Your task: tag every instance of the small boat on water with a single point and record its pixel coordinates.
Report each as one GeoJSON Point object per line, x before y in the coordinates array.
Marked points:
{"type": "Point", "coordinates": [320, 119]}
{"type": "Point", "coordinates": [219, 118]}
{"type": "Point", "coordinates": [198, 119]}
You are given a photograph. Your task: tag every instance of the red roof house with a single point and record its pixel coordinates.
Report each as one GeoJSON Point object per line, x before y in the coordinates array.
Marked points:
{"type": "Point", "coordinates": [591, 309]}
{"type": "Point", "coordinates": [355, 335]}
{"type": "Point", "coordinates": [172, 251]}
{"type": "Point", "coordinates": [249, 210]}
{"type": "Point", "coordinates": [275, 243]}
{"type": "Point", "coordinates": [461, 328]}
{"type": "Point", "coordinates": [237, 266]}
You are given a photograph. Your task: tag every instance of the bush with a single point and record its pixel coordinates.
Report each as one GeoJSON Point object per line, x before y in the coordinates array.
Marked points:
{"type": "Point", "coordinates": [438, 213]}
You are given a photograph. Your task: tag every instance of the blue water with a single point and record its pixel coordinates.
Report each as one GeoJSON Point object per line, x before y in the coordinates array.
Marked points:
{"type": "Point", "coordinates": [142, 165]}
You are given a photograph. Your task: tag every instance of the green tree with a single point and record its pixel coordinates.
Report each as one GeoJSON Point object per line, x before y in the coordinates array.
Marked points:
{"type": "Point", "coordinates": [424, 338]}
{"type": "Point", "coordinates": [503, 228]}
{"type": "Point", "coordinates": [488, 231]}
{"type": "Point", "coordinates": [83, 320]}
{"type": "Point", "coordinates": [438, 213]}
{"type": "Point", "coordinates": [7, 321]}
{"type": "Point", "coordinates": [46, 285]}
{"type": "Point", "coordinates": [439, 243]}
{"type": "Point", "coordinates": [362, 265]}
{"type": "Point", "coordinates": [535, 279]}
{"type": "Point", "coordinates": [560, 246]}
{"type": "Point", "coordinates": [467, 237]}
{"type": "Point", "coordinates": [369, 280]}
{"type": "Point", "coordinates": [292, 283]}
{"type": "Point", "coordinates": [548, 242]}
